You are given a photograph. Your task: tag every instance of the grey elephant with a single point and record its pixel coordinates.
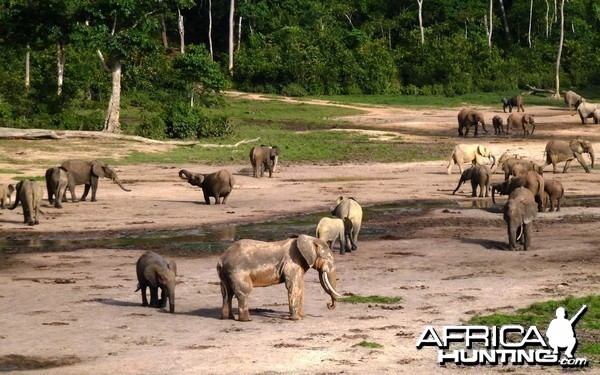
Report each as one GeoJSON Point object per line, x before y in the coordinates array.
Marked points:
{"type": "Point", "coordinates": [88, 173]}
{"type": "Point", "coordinates": [519, 212]}
{"type": "Point", "coordinates": [468, 117]}
{"type": "Point", "coordinates": [264, 158]}
{"type": "Point", "coordinates": [498, 124]}
{"type": "Point", "coordinates": [571, 99]}
{"type": "Point", "coordinates": [515, 101]}
{"type": "Point", "coordinates": [587, 110]}
{"type": "Point", "coordinates": [248, 263]}
{"type": "Point", "coordinates": [506, 157]}
{"type": "Point", "coordinates": [555, 192]}
{"type": "Point", "coordinates": [350, 208]}
{"type": "Point", "coordinates": [559, 151]}
{"type": "Point", "coordinates": [480, 175]}
{"type": "Point", "coordinates": [514, 167]}
{"type": "Point", "coordinates": [155, 273]}
{"type": "Point", "coordinates": [329, 229]}
{"type": "Point", "coordinates": [521, 121]}
{"type": "Point", "coordinates": [6, 194]}
{"type": "Point", "coordinates": [30, 194]}
{"type": "Point", "coordinates": [531, 180]}
{"type": "Point", "coordinates": [57, 182]}
{"type": "Point", "coordinates": [218, 184]}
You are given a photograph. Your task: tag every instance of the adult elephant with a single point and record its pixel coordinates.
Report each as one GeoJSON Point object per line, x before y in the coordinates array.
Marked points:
{"type": "Point", "coordinates": [530, 180]}
{"type": "Point", "coordinates": [30, 195]}
{"type": "Point", "coordinates": [155, 273]}
{"type": "Point", "coordinates": [571, 99]}
{"type": "Point", "coordinates": [330, 229]}
{"type": "Point", "coordinates": [519, 212]}
{"type": "Point", "coordinates": [514, 167]}
{"type": "Point", "coordinates": [88, 173]}
{"type": "Point", "coordinates": [480, 175]}
{"type": "Point", "coordinates": [249, 263]}
{"type": "Point", "coordinates": [264, 158]}
{"type": "Point", "coordinates": [57, 181]}
{"type": "Point", "coordinates": [559, 151]}
{"type": "Point", "coordinates": [468, 117]}
{"type": "Point", "coordinates": [515, 101]}
{"type": "Point", "coordinates": [349, 208]}
{"type": "Point", "coordinates": [465, 153]}
{"type": "Point", "coordinates": [218, 184]}
{"type": "Point", "coordinates": [587, 110]}
{"type": "Point", "coordinates": [521, 121]}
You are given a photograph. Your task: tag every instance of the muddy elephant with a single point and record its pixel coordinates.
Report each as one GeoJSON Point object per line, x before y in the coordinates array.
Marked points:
{"type": "Point", "coordinates": [571, 99]}
{"type": "Point", "coordinates": [249, 263]}
{"type": "Point", "coordinates": [555, 192]}
{"type": "Point", "coordinates": [515, 101]}
{"type": "Point", "coordinates": [264, 158]}
{"type": "Point", "coordinates": [559, 151]}
{"type": "Point", "coordinates": [474, 154]}
{"type": "Point", "coordinates": [519, 212]}
{"type": "Point", "coordinates": [30, 195]}
{"type": "Point", "coordinates": [154, 272]}
{"type": "Point", "coordinates": [468, 117]}
{"type": "Point", "coordinates": [526, 122]}
{"type": "Point", "coordinates": [329, 229]}
{"type": "Point", "coordinates": [6, 194]}
{"type": "Point", "coordinates": [88, 173]}
{"type": "Point", "coordinates": [531, 180]}
{"type": "Point", "coordinates": [480, 175]}
{"type": "Point", "coordinates": [217, 184]}
{"type": "Point", "coordinates": [515, 167]}
{"type": "Point", "coordinates": [57, 182]}
{"type": "Point", "coordinates": [350, 208]}
{"type": "Point", "coordinates": [498, 124]}
{"type": "Point", "coordinates": [587, 110]}
{"type": "Point", "coordinates": [504, 158]}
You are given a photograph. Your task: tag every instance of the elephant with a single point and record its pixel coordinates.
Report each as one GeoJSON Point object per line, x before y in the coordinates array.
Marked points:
{"type": "Point", "coordinates": [218, 184]}
{"type": "Point", "coordinates": [329, 229]}
{"type": "Point", "coordinates": [531, 180]}
{"type": "Point", "coordinates": [6, 194]}
{"type": "Point", "coordinates": [519, 212]}
{"type": "Point", "coordinates": [559, 151]}
{"type": "Point", "coordinates": [571, 99]}
{"type": "Point", "coordinates": [587, 110]}
{"type": "Point", "coordinates": [521, 121]}
{"type": "Point", "coordinates": [57, 181]}
{"type": "Point", "coordinates": [555, 192]}
{"type": "Point", "coordinates": [264, 158]}
{"type": "Point", "coordinates": [515, 101]}
{"type": "Point", "coordinates": [154, 272]}
{"type": "Point", "coordinates": [30, 195]}
{"type": "Point", "coordinates": [466, 118]}
{"type": "Point", "coordinates": [350, 208]}
{"type": "Point", "coordinates": [514, 167]}
{"type": "Point", "coordinates": [249, 263]}
{"type": "Point", "coordinates": [506, 157]}
{"type": "Point", "coordinates": [88, 173]}
{"type": "Point", "coordinates": [498, 123]}
{"type": "Point", "coordinates": [465, 153]}
{"type": "Point", "coordinates": [480, 175]}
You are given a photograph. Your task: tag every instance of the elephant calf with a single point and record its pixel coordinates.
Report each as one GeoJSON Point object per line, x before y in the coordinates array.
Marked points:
{"type": "Point", "coordinates": [154, 272]}
{"type": "Point", "coordinates": [519, 212]}
{"type": "Point", "coordinates": [480, 175]}
{"type": "Point", "coordinates": [218, 184]}
{"type": "Point", "coordinates": [554, 191]}
{"type": "Point", "coordinates": [6, 194]}
{"type": "Point", "coordinates": [329, 229]}
{"type": "Point", "coordinates": [498, 124]}
{"type": "Point", "coordinates": [30, 195]}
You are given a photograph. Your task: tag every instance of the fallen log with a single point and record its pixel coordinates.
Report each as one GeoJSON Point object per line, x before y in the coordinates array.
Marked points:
{"type": "Point", "coordinates": [534, 90]}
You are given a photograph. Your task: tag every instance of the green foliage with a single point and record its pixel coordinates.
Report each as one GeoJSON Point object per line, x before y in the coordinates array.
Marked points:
{"type": "Point", "coordinates": [31, 178]}
{"type": "Point", "coordinates": [368, 344]}
{"type": "Point", "coordinates": [184, 121]}
{"type": "Point", "coordinates": [370, 299]}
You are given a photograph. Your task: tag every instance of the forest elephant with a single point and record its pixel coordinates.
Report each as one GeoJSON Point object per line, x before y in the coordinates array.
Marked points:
{"type": "Point", "coordinates": [555, 192]}
{"type": "Point", "coordinates": [88, 173]}
{"type": "Point", "coordinates": [331, 228]}
{"type": "Point", "coordinates": [531, 180]}
{"type": "Point", "coordinates": [30, 195]}
{"type": "Point", "coordinates": [587, 110]}
{"type": "Point", "coordinates": [349, 207]}
{"type": "Point", "coordinates": [571, 99]}
{"type": "Point", "coordinates": [480, 175]}
{"type": "Point", "coordinates": [526, 122]}
{"type": "Point", "coordinates": [217, 184]}
{"type": "Point", "coordinates": [249, 263]}
{"type": "Point", "coordinates": [6, 194]}
{"type": "Point", "coordinates": [264, 158]}
{"type": "Point", "coordinates": [519, 212]}
{"type": "Point", "coordinates": [57, 182]}
{"type": "Point", "coordinates": [515, 167]}
{"type": "Point", "coordinates": [498, 124]}
{"type": "Point", "coordinates": [474, 154]}
{"type": "Point", "coordinates": [506, 156]}
{"type": "Point", "coordinates": [515, 101]}
{"type": "Point", "coordinates": [155, 273]}
{"type": "Point", "coordinates": [468, 117]}
{"type": "Point", "coordinates": [559, 151]}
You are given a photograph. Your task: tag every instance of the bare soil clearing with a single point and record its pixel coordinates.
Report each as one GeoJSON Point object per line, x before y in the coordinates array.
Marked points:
{"type": "Point", "coordinates": [74, 312]}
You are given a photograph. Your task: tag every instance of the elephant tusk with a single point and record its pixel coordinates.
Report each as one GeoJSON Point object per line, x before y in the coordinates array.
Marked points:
{"type": "Point", "coordinates": [519, 231]}
{"type": "Point", "coordinates": [329, 287]}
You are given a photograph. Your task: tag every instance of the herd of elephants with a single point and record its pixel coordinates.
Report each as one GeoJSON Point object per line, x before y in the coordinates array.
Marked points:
{"type": "Point", "coordinates": [250, 263]}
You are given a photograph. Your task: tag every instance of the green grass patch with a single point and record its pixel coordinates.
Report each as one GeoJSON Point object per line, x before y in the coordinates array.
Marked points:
{"type": "Point", "coordinates": [31, 178]}
{"type": "Point", "coordinates": [368, 344]}
{"type": "Point", "coordinates": [10, 171]}
{"type": "Point", "coordinates": [370, 299]}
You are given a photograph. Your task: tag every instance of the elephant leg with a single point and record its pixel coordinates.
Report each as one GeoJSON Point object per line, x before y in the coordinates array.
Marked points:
{"type": "Point", "coordinates": [582, 162]}
{"type": "Point", "coordinates": [244, 287]}
{"type": "Point", "coordinates": [473, 188]}
{"type": "Point", "coordinates": [226, 310]}
{"type": "Point", "coordinates": [94, 188]}
{"type": "Point", "coordinates": [72, 191]}
{"type": "Point", "coordinates": [512, 237]}
{"type": "Point", "coordinates": [86, 190]}
{"type": "Point", "coordinates": [355, 230]}
{"type": "Point", "coordinates": [527, 230]}
{"type": "Point", "coordinates": [295, 287]}
{"type": "Point", "coordinates": [162, 302]}
{"type": "Point", "coordinates": [207, 198]}
{"type": "Point", "coordinates": [558, 204]}
{"type": "Point", "coordinates": [154, 296]}
{"type": "Point", "coordinates": [144, 297]}
{"type": "Point", "coordinates": [217, 199]}
{"type": "Point", "coordinates": [567, 165]}
{"type": "Point", "coordinates": [225, 197]}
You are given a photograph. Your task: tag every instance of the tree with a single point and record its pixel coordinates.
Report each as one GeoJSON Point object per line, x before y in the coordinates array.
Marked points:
{"type": "Point", "coordinates": [231, 30]}
{"type": "Point", "coordinates": [420, 3]}
{"type": "Point", "coordinates": [560, 46]}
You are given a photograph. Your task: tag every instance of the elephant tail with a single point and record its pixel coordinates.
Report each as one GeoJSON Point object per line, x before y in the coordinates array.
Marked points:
{"type": "Point", "coordinates": [138, 288]}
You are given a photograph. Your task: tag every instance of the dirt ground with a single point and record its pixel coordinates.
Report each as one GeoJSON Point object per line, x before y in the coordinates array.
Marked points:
{"type": "Point", "coordinates": [75, 312]}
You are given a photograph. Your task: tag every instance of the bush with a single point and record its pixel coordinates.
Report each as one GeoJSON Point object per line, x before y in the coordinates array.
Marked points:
{"type": "Point", "coordinates": [153, 127]}
{"type": "Point", "coordinates": [294, 89]}
{"type": "Point", "coordinates": [183, 121]}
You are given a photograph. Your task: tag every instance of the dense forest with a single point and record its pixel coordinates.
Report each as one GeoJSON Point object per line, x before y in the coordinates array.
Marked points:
{"type": "Point", "coordinates": [73, 64]}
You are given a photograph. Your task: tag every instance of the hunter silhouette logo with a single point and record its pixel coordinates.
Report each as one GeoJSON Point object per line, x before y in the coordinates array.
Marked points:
{"type": "Point", "coordinates": [508, 344]}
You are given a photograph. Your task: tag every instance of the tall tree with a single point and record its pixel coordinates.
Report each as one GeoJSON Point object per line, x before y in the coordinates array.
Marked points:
{"type": "Point", "coordinates": [231, 36]}
{"type": "Point", "coordinates": [560, 47]}
{"type": "Point", "coordinates": [420, 3]}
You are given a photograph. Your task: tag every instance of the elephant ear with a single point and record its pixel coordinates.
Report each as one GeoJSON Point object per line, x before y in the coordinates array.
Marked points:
{"type": "Point", "coordinates": [98, 169]}
{"type": "Point", "coordinates": [577, 146]}
{"type": "Point", "coordinates": [308, 247]}
{"type": "Point", "coordinates": [334, 208]}
{"type": "Point", "coordinates": [173, 267]}
{"type": "Point", "coordinates": [481, 150]}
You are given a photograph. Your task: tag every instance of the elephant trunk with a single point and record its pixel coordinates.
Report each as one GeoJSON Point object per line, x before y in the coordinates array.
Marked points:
{"type": "Point", "coordinates": [118, 182]}
{"type": "Point", "coordinates": [459, 185]}
{"type": "Point", "coordinates": [494, 194]}
{"type": "Point", "coordinates": [328, 282]}
{"type": "Point", "coordinates": [184, 175]}
{"type": "Point", "coordinates": [483, 126]}
{"type": "Point", "coordinates": [493, 163]}
{"type": "Point", "coordinates": [172, 299]}
{"type": "Point", "coordinates": [512, 235]}
{"type": "Point", "coordinates": [591, 152]}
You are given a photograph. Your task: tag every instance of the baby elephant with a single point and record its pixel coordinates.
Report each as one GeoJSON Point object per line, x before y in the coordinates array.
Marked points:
{"type": "Point", "coordinates": [218, 184]}
{"type": "Point", "coordinates": [480, 175]}
{"type": "Point", "coordinates": [554, 192]}
{"type": "Point", "coordinates": [154, 272]}
{"type": "Point", "coordinates": [329, 229]}
{"type": "Point", "coordinates": [30, 195]}
{"type": "Point", "coordinates": [6, 194]}
{"type": "Point", "coordinates": [498, 125]}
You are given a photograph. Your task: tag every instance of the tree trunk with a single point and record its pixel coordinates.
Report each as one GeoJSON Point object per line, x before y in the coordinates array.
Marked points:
{"type": "Point", "coordinates": [111, 122]}
{"type": "Point", "coordinates": [530, 17]}
{"type": "Point", "coordinates": [547, 19]}
{"type": "Point", "coordinates": [239, 38]}
{"type": "Point", "coordinates": [181, 28]}
{"type": "Point", "coordinates": [27, 58]}
{"type": "Point", "coordinates": [231, 31]}
{"type": "Point", "coordinates": [504, 19]}
{"type": "Point", "coordinates": [60, 65]}
{"type": "Point", "coordinates": [165, 40]}
{"type": "Point", "coordinates": [420, 2]}
{"type": "Point", "coordinates": [560, 46]}
{"type": "Point", "coordinates": [490, 32]}
{"type": "Point", "coordinates": [210, 43]}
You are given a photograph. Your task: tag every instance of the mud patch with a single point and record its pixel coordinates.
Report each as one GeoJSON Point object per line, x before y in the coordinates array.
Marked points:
{"type": "Point", "coordinates": [17, 362]}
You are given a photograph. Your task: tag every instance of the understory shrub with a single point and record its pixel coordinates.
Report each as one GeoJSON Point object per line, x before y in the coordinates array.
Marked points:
{"type": "Point", "coordinates": [184, 121]}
